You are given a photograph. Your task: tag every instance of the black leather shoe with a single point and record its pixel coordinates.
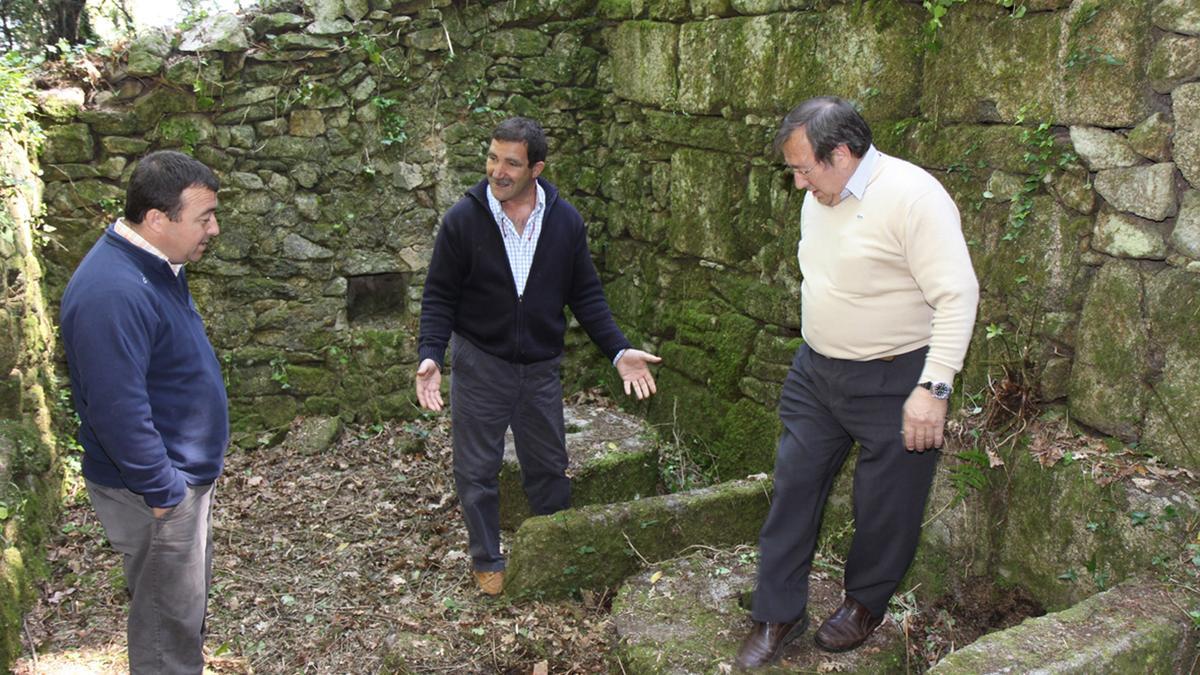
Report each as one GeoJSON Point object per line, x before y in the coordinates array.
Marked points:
{"type": "Point", "coordinates": [767, 640]}
{"type": "Point", "coordinates": [847, 628]}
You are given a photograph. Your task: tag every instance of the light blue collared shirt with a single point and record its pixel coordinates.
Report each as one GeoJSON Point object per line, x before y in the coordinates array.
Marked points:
{"type": "Point", "coordinates": [857, 185]}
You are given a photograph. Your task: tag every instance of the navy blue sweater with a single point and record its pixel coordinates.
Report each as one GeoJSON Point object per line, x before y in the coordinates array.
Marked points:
{"type": "Point", "coordinates": [469, 288]}
{"type": "Point", "coordinates": [147, 385]}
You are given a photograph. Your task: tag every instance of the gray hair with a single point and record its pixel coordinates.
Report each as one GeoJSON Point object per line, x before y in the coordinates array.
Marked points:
{"type": "Point", "coordinates": [828, 121]}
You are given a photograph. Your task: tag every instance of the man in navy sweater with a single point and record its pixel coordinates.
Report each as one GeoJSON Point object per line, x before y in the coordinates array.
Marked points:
{"type": "Point", "coordinates": [508, 257]}
{"type": "Point", "coordinates": [154, 421]}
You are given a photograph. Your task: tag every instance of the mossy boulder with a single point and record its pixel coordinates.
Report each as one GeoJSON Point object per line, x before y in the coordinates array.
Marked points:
{"type": "Point", "coordinates": [767, 64]}
{"type": "Point", "coordinates": [1124, 630]}
{"type": "Point", "coordinates": [690, 615]}
{"type": "Point", "coordinates": [597, 547]}
{"type": "Point", "coordinates": [1108, 382]}
{"type": "Point", "coordinates": [613, 457]}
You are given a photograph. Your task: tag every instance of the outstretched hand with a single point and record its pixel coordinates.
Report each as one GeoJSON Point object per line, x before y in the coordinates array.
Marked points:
{"type": "Point", "coordinates": [429, 385]}
{"type": "Point", "coordinates": [635, 372]}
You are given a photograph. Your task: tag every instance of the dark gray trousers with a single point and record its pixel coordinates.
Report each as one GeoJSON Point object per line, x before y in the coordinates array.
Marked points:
{"type": "Point", "coordinates": [168, 571]}
{"type": "Point", "coordinates": [487, 396]}
{"type": "Point", "coordinates": [826, 406]}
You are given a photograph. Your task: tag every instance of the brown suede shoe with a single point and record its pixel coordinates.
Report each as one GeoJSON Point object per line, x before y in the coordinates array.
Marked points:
{"type": "Point", "coordinates": [847, 628]}
{"type": "Point", "coordinates": [767, 640]}
{"type": "Point", "coordinates": [491, 583]}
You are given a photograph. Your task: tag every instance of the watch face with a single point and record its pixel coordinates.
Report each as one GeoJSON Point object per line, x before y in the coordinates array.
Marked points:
{"type": "Point", "coordinates": [941, 390]}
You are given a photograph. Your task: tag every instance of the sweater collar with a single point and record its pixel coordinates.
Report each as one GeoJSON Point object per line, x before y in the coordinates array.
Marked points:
{"type": "Point", "coordinates": [145, 259]}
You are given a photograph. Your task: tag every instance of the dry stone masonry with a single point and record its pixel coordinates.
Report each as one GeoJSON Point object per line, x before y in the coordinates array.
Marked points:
{"type": "Point", "coordinates": [1068, 133]}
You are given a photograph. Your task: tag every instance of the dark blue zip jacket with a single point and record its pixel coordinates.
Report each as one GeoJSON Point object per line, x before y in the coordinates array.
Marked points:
{"type": "Point", "coordinates": [147, 385]}
{"type": "Point", "coordinates": [469, 288]}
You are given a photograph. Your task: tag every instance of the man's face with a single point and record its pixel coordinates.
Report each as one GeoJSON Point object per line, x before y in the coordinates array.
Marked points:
{"type": "Point", "coordinates": [824, 181]}
{"type": "Point", "coordinates": [508, 171]}
{"type": "Point", "coordinates": [186, 238]}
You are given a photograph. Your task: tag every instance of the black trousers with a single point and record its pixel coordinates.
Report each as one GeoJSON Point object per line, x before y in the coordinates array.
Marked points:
{"type": "Point", "coordinates": [487, 396]}
{"type": "Point", "coordinates": [826, 406]}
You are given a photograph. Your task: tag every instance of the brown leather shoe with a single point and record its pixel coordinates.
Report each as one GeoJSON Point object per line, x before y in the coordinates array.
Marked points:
{"type": "Point", "coordinates": [847, 628]}
{"type": "Point", "coordinates": [767, 640]}
{"type": "Point", "coordinates": [491, 583]}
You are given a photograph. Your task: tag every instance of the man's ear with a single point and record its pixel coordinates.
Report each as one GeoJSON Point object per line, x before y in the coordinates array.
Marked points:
{"type": "Point", "coordinates": [536, 169]}
{"type": "Point", "coordinates": [156, 221]}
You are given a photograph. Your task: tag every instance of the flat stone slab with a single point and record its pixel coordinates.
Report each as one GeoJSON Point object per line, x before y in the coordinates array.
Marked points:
{"type": "Point", "coordinates": [690, 615]}
{"type": "Point", "coordinates": [597, 547]}
{"type": "Point", "coordinates": [1136, 627]}
{"type": "Point", "coordinates": [612, 458]}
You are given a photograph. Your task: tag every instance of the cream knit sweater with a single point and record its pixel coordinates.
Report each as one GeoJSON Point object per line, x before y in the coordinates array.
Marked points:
{"type": "Point", "coordinates": [888, 274]}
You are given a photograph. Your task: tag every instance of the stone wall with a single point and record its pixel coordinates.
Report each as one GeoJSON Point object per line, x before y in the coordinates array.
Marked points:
{"type": "Point", "coordinates": [28, 387]}
{"type": "Point", "coordinates": [343, 128]}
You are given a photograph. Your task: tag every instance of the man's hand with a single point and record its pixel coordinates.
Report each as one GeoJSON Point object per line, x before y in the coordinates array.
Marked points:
{"type": "Point", "coordinates": [634, 370]}
{"type": "Point", "coordinates": [924, 420]}
{"type": "Point", "coordinates": [429, 385]}
{"type": "Point", "coordinates": [159, 511]}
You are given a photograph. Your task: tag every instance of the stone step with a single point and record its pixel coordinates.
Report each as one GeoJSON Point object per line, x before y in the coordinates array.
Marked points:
{"type": "Point", "coordinates": [597, 547]}
{"type": "Point", "coordinates": [1136, 627]}
{"type": "Point", "coordinates": [689, 615]}
{"type": "Point", "coordinates": [612, 458]}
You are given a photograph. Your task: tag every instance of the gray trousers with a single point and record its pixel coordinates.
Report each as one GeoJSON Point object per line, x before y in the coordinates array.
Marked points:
{"type": "Point", "coordinates": [168, 571]}
{"type": "Point", "coordinates": [826, 406]}
{"type": "Point", "coordinates": [487, 396]}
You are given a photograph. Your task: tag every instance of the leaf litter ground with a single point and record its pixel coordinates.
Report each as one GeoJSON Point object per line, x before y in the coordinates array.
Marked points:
{"type": "Point", "coordinates": [348, 561]}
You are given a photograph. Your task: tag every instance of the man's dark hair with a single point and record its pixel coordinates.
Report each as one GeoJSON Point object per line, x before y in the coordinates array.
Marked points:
{"type": "Point", "coordinates": [159, 180]}
{"type": "Point", "coordinates": [527, 131]}
{"type": "Point", "coordinates": [828, 121]}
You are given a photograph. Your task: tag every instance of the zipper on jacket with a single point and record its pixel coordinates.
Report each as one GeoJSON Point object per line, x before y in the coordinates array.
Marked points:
{"type": "Point", "coordinates": [520, 327]}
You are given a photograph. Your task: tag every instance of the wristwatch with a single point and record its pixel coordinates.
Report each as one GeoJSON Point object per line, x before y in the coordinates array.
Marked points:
{"type": "Point", "coordinates": [940, 390]}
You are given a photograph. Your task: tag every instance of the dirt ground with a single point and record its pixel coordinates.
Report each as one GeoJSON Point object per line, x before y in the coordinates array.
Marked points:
{"type": "Point", "coordinates": [350, 561]}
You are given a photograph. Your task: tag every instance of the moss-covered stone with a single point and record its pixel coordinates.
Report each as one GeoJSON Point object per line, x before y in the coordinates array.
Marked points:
{"type": "Point", "coordinates": [1152, 137]}
{"type": "Point", "coordinates": [1175, 60]}
{"type": "Point", "coordinates": [705, 190]}
{"type": "Point", "coordinates": [1108, 390]}
{"type": "Point", "coordinates": [1172, 419]}
{"type": "Point", "coordinates": [709, 133]}
{"type": "Point", "coordinates": [1180, 16]}
{"type": "Point", "coordinates": [645, 57]}
{"type": "Point", "coordinates": [689, 615]}
{"type": "Point", "coordinates": [596, 547]}
{"type": "Point", "coordinates": [1146, 191]}
{"type": "Point", "coordinates": [1084, 66]}
{"type": "Point", "coordinates": [68, 143]}
{"type": "Point", "coordinates": [1185, 101]}
{"type": "Point", "coordinates": [1066, 536]}
{"type": "Point", "coordinates": [1125, 236]}
{"type": "Point", "coordinates": [768, 64]}
{"type": "Point", "coordinates": [1122, 630]}
{"type": "Point", "coordinates": [612, 458]}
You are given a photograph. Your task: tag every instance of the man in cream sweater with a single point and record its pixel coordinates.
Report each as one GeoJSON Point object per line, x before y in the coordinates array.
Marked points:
{"type": "Point", "coordinates": [887, 304]}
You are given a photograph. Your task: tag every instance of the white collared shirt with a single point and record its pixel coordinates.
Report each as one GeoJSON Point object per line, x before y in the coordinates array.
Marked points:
{"type": "Point", "coordinates": [139, 241]}
{"type": "Point", "coordinates": [519, 247]}
{"type": "Point", "coordinates": [857, 185]}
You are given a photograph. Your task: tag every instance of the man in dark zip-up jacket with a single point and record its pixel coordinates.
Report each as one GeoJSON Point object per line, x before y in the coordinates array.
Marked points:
{"type": "Point", "coordinates": [154, 420]}
{"type": "Point", "coordinates": [509, 256]}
